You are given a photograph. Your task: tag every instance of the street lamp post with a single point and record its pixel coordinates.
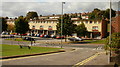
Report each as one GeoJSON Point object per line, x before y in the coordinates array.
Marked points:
{"type": "Point", "coordinates": [110, 33]}
{"type": "Point", "coordinates": [62, 23]}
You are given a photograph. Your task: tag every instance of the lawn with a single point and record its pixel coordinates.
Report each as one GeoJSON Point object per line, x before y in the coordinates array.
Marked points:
{"type": "Point", "coordinates": [16, 39]}
{"type": "Point", "coordinates": [12, 50]}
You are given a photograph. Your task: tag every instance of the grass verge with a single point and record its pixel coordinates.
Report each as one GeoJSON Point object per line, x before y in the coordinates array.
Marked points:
{"type": "Point", "coordinates": [16, 39]}
{"type": "Point", "coordinates": [13, 50]}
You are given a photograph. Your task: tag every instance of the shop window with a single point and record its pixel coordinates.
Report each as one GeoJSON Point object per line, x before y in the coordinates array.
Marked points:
{"type": "Point", "coordinates": [95, 28]}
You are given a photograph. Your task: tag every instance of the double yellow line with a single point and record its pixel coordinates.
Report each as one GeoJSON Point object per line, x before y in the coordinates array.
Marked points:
{"type": "Point", "coordinates": [88, 59]}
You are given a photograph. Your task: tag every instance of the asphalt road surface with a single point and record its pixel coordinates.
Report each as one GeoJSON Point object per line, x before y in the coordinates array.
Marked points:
{"type": "Point", "coordinates": [82, 52]}
{"type": "Point", "coordinates": [65, 58]}
{"type": "Point", "coordinates": [47, 43]}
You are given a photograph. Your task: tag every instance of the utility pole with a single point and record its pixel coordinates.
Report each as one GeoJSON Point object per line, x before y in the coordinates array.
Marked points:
{"type": "Point", "coordinates": [110, 33]}
{"type": "Point", "coordinates": [62, 23]}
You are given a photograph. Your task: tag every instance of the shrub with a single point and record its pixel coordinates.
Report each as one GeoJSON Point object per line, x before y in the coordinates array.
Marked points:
{"type": "Point", "coordinates": [115, 42]}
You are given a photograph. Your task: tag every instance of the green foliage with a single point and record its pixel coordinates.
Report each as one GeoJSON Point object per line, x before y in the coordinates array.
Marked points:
{"type": "Point", "coordinates": [99, 14]}
{"type": "Point", "coordinates": [107, 13]}
{"type": "Point", "coordinates": [67, 26]}
{"type": "Point", "coordinates": [4, 24]}
{"type": "Point", "coordinates": [21, 25]}
{"type": "Point", "coordinates": [32, 15]}
{"type": "Point", "coordinates": [115, 41]}
{"type": "Point", "coordinates": [81, 30]}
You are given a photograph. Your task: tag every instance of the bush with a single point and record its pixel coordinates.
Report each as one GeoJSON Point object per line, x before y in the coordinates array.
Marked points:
{"type": "Point", "coordinates": [115, 42]}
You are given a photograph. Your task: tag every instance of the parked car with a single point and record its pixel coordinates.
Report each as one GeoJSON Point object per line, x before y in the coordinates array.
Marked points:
{"type": "Point", "coordinates": [46, 36]}
{"type": "Point", "coordinates": [4, 35]}
{"type": "Point", "coordinates": [75, 39]}
{"type": "Point", "coordinates": [12, 36]}
{"type": "Point", "coordinates": [23, 34]}
{"type": "Point", "coordinates": [37, 35]}
{"type": "Point", "coordinates": [59, 37]}
{"type": "Point", "coordinates": [53, 36]}
{"type": "Point", "coordinates": [28, 39]}
{"type": "Point", "coordinates": [42, 35]}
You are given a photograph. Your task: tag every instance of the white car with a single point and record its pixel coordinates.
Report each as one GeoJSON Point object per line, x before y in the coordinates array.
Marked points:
{"type": "Point", "coordinates": [75, 39]}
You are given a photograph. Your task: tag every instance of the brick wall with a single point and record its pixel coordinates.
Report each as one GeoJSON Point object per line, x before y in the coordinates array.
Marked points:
{"type": "Point", "coordinates": [103, 28]}
{"type": "Point", "coordinates": [116, 24]}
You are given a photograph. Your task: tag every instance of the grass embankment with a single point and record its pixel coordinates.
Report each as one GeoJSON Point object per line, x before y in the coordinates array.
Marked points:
{"type": "Point", "coordinates": [12, 50]}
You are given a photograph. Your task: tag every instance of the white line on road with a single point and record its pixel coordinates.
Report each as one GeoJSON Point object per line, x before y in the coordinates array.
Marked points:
{"type": "Point", "coordinates": [88, 59]}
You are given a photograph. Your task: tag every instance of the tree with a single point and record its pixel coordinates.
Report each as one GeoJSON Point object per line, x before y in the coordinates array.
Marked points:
{"type": "Point", "coordinates": [32, 15]}
{"type": "Point", "coordinates": [95, 14]}
{"type": "Point", "coordinates": [4, 24]}
{"type": "Point", "coordinates": [68, 27]}
{"type": "Point", "coordinates": [21, 25]}
{"type": "Point", "coordinates": [81, 30]}
{"type": "Point", "coordinates": [107, 13]}
{"type": "Point", "coordinates": [10, 27]}
{"type": "Point", "coordinates": [99, 14]}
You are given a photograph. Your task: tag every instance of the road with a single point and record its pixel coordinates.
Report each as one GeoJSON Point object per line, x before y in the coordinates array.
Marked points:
{"type": "Point", "coordinates": [65, 58]}
{"type": "Point", "coordinates": [69, 58]}
{"type": "Point", "coordinates": [53, 43]}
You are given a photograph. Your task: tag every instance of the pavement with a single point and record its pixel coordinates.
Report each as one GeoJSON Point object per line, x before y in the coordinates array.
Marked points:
{"type": "Point", "coordinates": [100, 59]}
{"type": "Point", "coordinates": [94, 59]}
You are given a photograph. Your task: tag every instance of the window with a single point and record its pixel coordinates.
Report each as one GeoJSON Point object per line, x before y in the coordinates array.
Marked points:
{"type": "Point", "coordinates": [90, 21]}
{"type": "Point", "coordinates": [95, 22]}
{"type": "Point", "coordinates": [86, 22]}
{"type": "Point", "coordinates": [99, 22]}
{"type": "Point", "coordinates": [95, 28]}
{"type": "Point", "coordinates": [33, 26]}
{"type": "Point", "coordinates": [50, 28]}
{"type": "Point", "coordinates": [41, 27]}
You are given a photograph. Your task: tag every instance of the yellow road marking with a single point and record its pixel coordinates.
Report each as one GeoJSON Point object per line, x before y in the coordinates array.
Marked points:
{"type": "Point", "coordinates": [29, 57]}
{"type": "Point", "coordinates": [88, 59]}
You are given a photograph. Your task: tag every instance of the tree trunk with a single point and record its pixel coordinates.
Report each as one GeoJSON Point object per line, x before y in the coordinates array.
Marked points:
{"type": "Point", "coordinates": [65, 38]}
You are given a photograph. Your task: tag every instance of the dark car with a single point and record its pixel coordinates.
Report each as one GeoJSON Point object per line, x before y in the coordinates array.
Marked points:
{"type": "Point", "coordinates": [37, 35]}
{"type": "Point", "coordinates": [46, 36]}
{"type": "Point", "coordinates": [23, 34]}
{"type": "Point", "coordinates": [75, 39]}
{"type": "Point", "coordinates": [28, 39]}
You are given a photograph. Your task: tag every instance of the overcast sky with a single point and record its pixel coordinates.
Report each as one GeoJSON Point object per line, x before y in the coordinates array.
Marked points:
{"type": "Point", "coordinates": [13, 8]}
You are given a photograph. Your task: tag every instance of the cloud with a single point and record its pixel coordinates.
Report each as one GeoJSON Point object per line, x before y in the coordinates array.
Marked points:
{"type": "Point", "coordinates": [14, 9]}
